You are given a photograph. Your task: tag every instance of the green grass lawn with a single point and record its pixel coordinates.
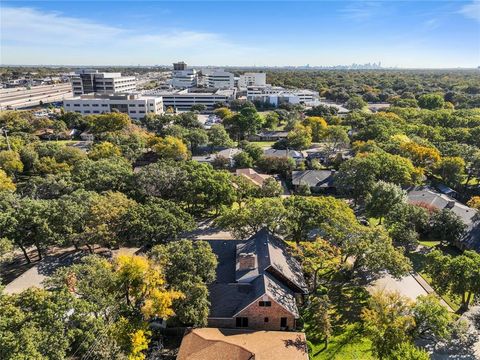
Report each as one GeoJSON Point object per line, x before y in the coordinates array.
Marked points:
{"type": "Point", "coordinates": [263, 144]}
{"type": "Point", "coordinates": [349, 345]}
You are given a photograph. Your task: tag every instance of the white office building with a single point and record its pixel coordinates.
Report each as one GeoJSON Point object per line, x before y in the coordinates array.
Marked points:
{"type": "Point", "coordinates": [218, 79]}
{"type": "Point", "coordinates": [135, 105]}
{"type": "Point", "coordinates": [252, 79]}
{"type": "Point", "coordinates": [184, 99]}
{"type": "Point", "coordinates": [93, 81]}
{"type": "Point", "coordinates": [277, 95]}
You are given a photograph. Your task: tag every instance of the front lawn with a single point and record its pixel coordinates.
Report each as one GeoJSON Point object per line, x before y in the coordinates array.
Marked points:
{"type": "Point", "coordinates": [350, 344]}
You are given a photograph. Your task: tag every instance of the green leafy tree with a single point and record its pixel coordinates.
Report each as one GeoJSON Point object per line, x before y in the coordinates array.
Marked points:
{"type": "Point", "coordinates": [104, 150]}
{"type": "Point", "coordinates": [320, 326]}
{"type": "Point", "coordinates": [300, 137]}
{"type": "Point", "coordinates": [10, 162]}
{"type": "Point", "coordinates": [355, 103]}
{"type": "Point", "coordinates": [271, 188]}
{"type": "Point", "coordinates": [113, 173]}
{"type": "Point", "coordinates": [447, 226]}
{"type": "Point", "coordinates": [431, 101]}
{"type": "Point", "coordinates": [271, 120]}
{"type": "Point", "coordinates": [155, 222]}
{"type": "Point", "coordinates": [218, 137]}
{"type": "Point", "coordinates": [451, 169]}
{"type": "Point", "coordinates": [190, 266]}
{"type": "Point", "coordinates": [243, 160]}
{"type": "Point", "coordinates": [408, 351]}
{"type": "Point", "coordinates": [109, 122]}
{"type": "Point", "coordinates": [383, 197]}
{"type": "Point", "coordinates": [458, 275]}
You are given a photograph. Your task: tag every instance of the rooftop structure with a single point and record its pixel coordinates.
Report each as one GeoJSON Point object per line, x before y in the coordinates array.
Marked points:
{"type": "Point", "coordinates": [257, 281]}
{"type": "Point", "coordinates": [315, 179]}
{"type": "Point", "coordinates": [253, 177]}
{"type": "Point", "coordinates": [135, 105]}
{"type": "Point", "coordinates": [276, 95]}
{"type": "Point", "coordinates": [218, 79]}
{"type": "Point", "coordinates": [424, 195]}
{"type": "Point", "coordinates": [214, 344]}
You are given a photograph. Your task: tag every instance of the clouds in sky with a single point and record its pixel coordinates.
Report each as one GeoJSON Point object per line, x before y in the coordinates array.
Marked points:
{"type": "Point", "coordinates": [329, 33]}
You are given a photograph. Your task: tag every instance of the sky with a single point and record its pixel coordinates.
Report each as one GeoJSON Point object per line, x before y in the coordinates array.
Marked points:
{"type": "Point", "coordinates": [410, 34]}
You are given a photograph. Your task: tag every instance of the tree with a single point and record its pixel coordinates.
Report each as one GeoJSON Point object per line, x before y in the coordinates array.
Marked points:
{"type": "Point", "coordinates": [372, 252]}
{"type": "Point", "coordinates": [144, 286]}
{"type": "Point", "coordinates": [6, 183]}
{"type": "Point", "coordinates": [109, 122]}
{"type": "Point", "coordinates": [474, 202]}
{"type": "Point", "coordinates": [244, 123]}
{"type": "Point", "coordinates": [432, 319]}
{"type": "Point", "coordinates": [37, 324]}
{"type": "Point", "coordinates": [458, 275]}
{"type": "Point", "coordinates": [355, 103]}
{"type": "Point", "coordinates": [447, 226]}
{"type": "Point", "coordinates": [271, 120]}
{"type": "Point", "coordinates": [155, 222]}
{"type": "Point", "coordinates": [10, 162]}
{"type": "Point", "coordinates": [431, 101]}
{"type": "Point", "coordinates": [336, 137]}
{"type": "Point", "coordinates": [190, 266]}
{"type": "Point", "coordinates": [320, 327]}
{"type": "Point", "coordinates": [105, 214]}
{"type": "Point", "coordinates": [104, 150]}
{"type": "Point", "coordinates": [170, 147]}
{"type": "Point", "coordinates": [223, 112]}
{"type": "Point", "coordinates": [243, 160]}
{"type": "Point", "coordinates": [251, 217]}
{"type": "Point", "coordinates": [113, 173]}
{"type": "Point", "coordinates": [451, 169]}
{"type": "Point", "coordinates": [322, 111]}
{"type": "Point", "coordinates": [271, 188]}
{"type": "Point", "coordinates": [318, 127]}
{"type": "Point", "coordinates": [277, 165]}
{"type": "Point", "coordinates": [196, 138]}
{"type": "Point", "coordinates": [300, 137]}
{"type": "Point", "coordinates": [408, 351]}
{"type": "Point", "coordinates": [254, 150]}
{"type": "Point", "coordinates": [356, 177]}
{"type": "Point", "coordinates": [218, 137]}
{"type": "Point", "coordinates": [318, 258]}
{"type": "Point", "coordinates": [383, 197]}
{"type": "Point", "coordinates": [198, 107]}
{"type": "Point", "coordinates": [421, 156]}
{"type": "Point", "coordinates": [388, 322]}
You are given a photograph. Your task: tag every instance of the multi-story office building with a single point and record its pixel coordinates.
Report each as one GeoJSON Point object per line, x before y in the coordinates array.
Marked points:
{"type": "Point", "coordinates": [277, 95]}
{"type": "Point", "coordinates": [184, 99]}
{"type": "Point", "coordinates": [135, 105]}
{"type": "Point", "coordinates": [252, 79]}
{"type": "Point", "coordinates": [218, 79]}
{"type": "Point", "coordinates": [182, 77]}
{"type": "Point", "coordinates": [93, 81]}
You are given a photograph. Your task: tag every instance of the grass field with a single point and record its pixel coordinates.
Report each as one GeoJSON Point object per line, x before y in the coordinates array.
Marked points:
{"type": "Point", "coordinates": [351, 344]}
{"type": "Point", "coordinates": [264, 144]}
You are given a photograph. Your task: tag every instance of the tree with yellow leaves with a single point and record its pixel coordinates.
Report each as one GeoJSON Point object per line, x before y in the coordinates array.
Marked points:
{"type": "Point", "coordinates": [318, 125]}
{"type": "Point", "coordinates": [6, 183]}
{"type": "Point", "coordinates": [169, 147]}
{"type": "Point", "coordinates": [144, 286]}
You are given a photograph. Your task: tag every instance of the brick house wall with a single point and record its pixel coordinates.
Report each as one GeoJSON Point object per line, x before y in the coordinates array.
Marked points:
{"type": "Point", "coordinates": [221, 322]}
{"type": "Point", "coordinates": [256, 316]}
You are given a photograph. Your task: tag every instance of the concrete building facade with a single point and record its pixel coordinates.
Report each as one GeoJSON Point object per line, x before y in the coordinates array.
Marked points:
{"type": "Point", "coordinates": [136, 106]}
{"type": "Point", "coordinates": [252, 79]}
{"type": "Point", "coordinates": [93, 81]}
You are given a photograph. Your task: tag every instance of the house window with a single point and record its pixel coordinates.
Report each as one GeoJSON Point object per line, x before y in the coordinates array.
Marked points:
{"type": "Point", "coordinates": [265, 303]}
{"type": "Point", "coordinates": [265, 319]}
{"type": "Point", "coordinates": [242, 322]}
{"type": "Point", "coordinates": [283, 322]}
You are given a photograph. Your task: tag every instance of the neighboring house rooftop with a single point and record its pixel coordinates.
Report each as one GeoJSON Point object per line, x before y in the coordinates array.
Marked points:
{"type": "Point", "coordinates": [249, 269]}
{"type": "Point", "coordinates": [214, 344]}
{"type": "Point", "coordinates": [313, 178]}
{"type": "Point", "coordinates": [284, 153]}
{"type": "Point", "coordinates": [226, 153]}
{"type": "Point", "coordinates": [252, 176]}
{"type": "Point", "coordinates": [470, 217]}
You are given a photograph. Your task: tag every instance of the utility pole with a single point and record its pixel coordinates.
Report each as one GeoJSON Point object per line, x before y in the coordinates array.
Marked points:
{"type": "Point", "coordinates": [5, 131]}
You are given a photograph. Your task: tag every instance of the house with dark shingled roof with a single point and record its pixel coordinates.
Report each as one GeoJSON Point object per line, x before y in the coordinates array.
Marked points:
{"type": "Point", "coordinates": [258, 284]}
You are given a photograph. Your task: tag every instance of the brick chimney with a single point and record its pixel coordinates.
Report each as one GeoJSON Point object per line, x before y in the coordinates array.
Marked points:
{"type": "Point", "coordinates": [246, 261]}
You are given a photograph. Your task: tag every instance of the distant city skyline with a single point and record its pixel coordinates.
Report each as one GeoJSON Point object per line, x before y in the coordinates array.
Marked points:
{"type": "Point", "coordinates": [404, 34]}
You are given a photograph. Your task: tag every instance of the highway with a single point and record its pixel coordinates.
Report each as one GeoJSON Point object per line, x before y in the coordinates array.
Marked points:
{"type": "Point", "coordinates": [18, 98]}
